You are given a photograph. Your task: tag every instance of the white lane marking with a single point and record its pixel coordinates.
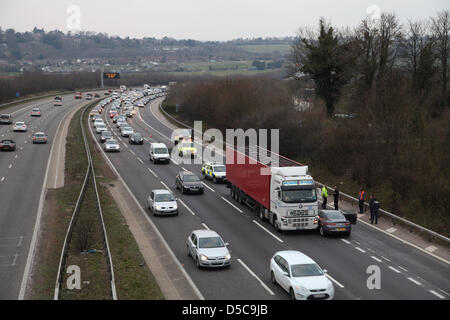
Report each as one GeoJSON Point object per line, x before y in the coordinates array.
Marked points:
{"type": "Point", "coordinates": [25, 141]}
{"type": "Point", "coordinates": [21, 148]}
{"type": "Point", "coordinates": [15, 259]}
{"type": "Point", "coordinates": [165, 186]}
{"type": "Point", "coordinates": [256, 277]}
{"type": "Point", "coordinates": [184, 169]}
{"type": "Point", "coordinates": [371, 250]}
{"type": "Point", "coordinates": [20, 241]}
{"type": "Point", "coordinates": [385, 258]}
{"type": "Point", "coordinates": [232, 205]}
{"type": "Point", "coordinates": [204, 225]}
{"type": "Point", "coordinates": [431, 248]}
{"type": "Point", "coordinates": [10, 166]}
{"type": "Point", "coordinates": [376, 259]}
{"type": "Point", "coordinates": [334, 280]}
{"type": "Point", "coordinates": [152, 172]}
{"type": "Point", "coordinates": [346, 241]}
{"type": "Point", "coordinates": [208, 187]}
{"type": "Point", "coordinates": [403, 268]}
{"type": "Point", "coordinates": [390, 230]}
{"type": "Point", "coordinates": [15, 156]}
{"type": "Point", "coordinates": [2, 179]}
{"type": "Point", "coordinates": [188, 209]}
{"type": "Point", "coordinates": [358, 248]}
{"type": "Point", "coordinates": [140, 160]}
{"type": "Point", "coordinates": [356, 242]}
{"type": "Point", "coordinates": [268, 231]}
{"type": "Point", "coordinates": [132, 152]}
{"type": "Point", "coordinates": [414, 281]}
{"type": "Point", "coordinates": [393, 269]}
{"type": "Point", "coordinates": [437, 294]}
{"type": "Point", "coordinates": [175, 162]}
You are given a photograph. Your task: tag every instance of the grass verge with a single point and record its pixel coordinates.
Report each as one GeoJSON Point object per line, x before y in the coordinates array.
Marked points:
{"type": "Point", "coordinates": [134, 280]}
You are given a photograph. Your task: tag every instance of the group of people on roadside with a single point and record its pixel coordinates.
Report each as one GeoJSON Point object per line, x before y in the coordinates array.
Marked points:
{"type": "Point", "coordinates": [374, 204]}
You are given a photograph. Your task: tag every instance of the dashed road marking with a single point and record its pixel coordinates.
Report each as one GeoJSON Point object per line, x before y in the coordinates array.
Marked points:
{"type": "Point", "coordinates": [393, 269]}
{"type": "Point", "coordinates": [204, 225]}
{"type": "Point", "coordinates": [346, 241]}
{"type": "Point", "coordinates": [208, 187]}
{"type": "Point", "coordinates": [256, 277]}
{"type": "Point", "coordinates": [334, 280]}
{"type": "Point", "coordinates": [359, 249]}
{"type": "Point", "coordinates": [386, 259]}
{"type": "Point", "coordinates": [437, 294]}
{"type": "Point", "coordinates": [188, 209]}
{"type": "Point", "coordinates": [165, 185]}
{"type": "Point", "coordinates": [232, 205]}
{"type": "Point", "coordinates": [376, 259]}
{"type": "Point", "coordinates": [391, 230]}
{"type": "Point", "coordinates": [140, 160]}
{"type": "Point", "coordinates": [2, 179]}
{"type": "Point", "coordinates": [265, 229]}
{"type": "Point", "coordinates": [414, 281]}
{"type": "Point", "coordinates": [403, 268]}
{"type": "Point", "coordinates": [10, 166]}
{"type": "Point", "coordinates": [152, 172]}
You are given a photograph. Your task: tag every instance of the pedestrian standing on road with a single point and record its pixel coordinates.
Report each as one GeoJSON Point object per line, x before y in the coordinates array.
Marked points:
{"type": "Point", "coordinates": [325, 197]}
{"type": "Point", "coordinates": [361, 198]}
{"type": "Point", "coordinates": [336, 198]}
{"type": "Point", "coordinates": [374, 214]}
{"type": "Point", "coordinates": [371, 207]}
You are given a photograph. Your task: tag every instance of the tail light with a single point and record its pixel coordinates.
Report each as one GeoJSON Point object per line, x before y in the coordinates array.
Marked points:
{"type": "Point", "coordinates": [330, 223]}
{"type": "Point", "coordinates": [347, 223]}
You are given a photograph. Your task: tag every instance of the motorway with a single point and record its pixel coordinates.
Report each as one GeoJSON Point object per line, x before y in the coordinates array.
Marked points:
{"type": "Point", "coordinates": [406, 273]}
{"type": "Point", "coordinates": [22, 176]}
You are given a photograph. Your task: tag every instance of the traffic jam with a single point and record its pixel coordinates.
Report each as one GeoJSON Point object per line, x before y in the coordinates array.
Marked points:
{"type": "Point", "coordinates": [286, 198]}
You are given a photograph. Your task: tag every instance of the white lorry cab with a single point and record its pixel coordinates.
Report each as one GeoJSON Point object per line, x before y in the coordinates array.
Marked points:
{"type": "Point", "coordinates": [158, 152]}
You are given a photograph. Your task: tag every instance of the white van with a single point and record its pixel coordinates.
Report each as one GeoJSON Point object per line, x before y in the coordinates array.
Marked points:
{"type": "Point", "coordinates": [158, 152]}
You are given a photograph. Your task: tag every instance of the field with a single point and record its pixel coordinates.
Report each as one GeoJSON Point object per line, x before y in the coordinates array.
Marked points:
{"type": "Point", "coordinates": [266, 48]}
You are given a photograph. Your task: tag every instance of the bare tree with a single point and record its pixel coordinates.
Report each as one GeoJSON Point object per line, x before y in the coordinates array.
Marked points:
{"type": "Point", "coordinates": [441, 28]}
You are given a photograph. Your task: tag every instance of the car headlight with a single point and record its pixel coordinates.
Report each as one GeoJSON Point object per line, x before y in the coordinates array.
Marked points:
{"type": "Point", "coordinates": [158, 207]}
{"type": "Point", "coordinates": [301, 289]}
{"type": "Point", "coordinates": [203, 257]}
{"type": "Point", "coordinates": [228, 256]}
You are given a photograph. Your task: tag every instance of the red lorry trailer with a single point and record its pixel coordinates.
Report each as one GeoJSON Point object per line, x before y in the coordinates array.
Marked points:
{"type": "Point", "coordinates": [285, 195]}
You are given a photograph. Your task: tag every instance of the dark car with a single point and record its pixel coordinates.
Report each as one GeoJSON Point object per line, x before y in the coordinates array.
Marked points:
{"type": "Point", "coordinates": [6, 119]}
{"type": "Point", "coordinates": [136, 138]}
{"type": "Point", "coordinates": [96, 95]}
{"type": "Point", "coordinates": [7, 145]}
{"type": "Point", "coordinates": [333, 222]}
{"type": "Point", "coordinates": [105, 135]}
{"type": "Point", "coordinates": [188, 182]}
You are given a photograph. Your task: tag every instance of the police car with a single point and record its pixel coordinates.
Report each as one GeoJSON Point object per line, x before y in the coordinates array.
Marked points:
{"type": "Point", "coordinates": [186, 148]}
{"type": "Point", "coordinates": [215, 171]}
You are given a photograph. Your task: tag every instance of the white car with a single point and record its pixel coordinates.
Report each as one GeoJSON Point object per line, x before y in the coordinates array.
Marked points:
{"type": "Point", "coordinates": [111, 145]}
{"type": "Point", "coordinates": [100, 127]}
{"type": "Point", "coordinates": [299, 275]}
{"type": "Point", "coordinates": [97, 122]}
{"type": "Point", "coordinates": [162, 202]}
{"type": "Point", "coordinates": [126, 131]}
{"type": "Point", "coordinates": [20, 126]}
{"type": "Point", "coordinates": [207, 249]}
{"type": "Point", "coordinates": [158, 152]}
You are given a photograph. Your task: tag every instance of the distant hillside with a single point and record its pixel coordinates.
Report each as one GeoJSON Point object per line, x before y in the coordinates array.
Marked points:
{"type": "Point", "coordinates": [41, 45]}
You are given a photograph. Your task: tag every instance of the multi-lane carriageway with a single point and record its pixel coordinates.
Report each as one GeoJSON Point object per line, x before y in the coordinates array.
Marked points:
{"type": "Point", "coordinates": [406, 273]}
{"type": "Point", "coordinates": [22, 177]}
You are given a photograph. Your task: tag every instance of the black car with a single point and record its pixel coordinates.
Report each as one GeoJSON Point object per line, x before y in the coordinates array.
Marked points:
{"type": "Point", "coordinates": [188, 182]}
{"type": "Point", "coordinates": [105, 135]}
{"type": "Point", "coordinates": [136, 138]}
{"type": "Point", "coordinates": [7, 145]}
{"type": "Point", "coordinates": [333, 222]}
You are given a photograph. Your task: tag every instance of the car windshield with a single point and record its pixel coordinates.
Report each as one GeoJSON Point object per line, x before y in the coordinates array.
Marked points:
{"type": "Point", "coordinates": [35, 109]}
{"type": "Point", "coordinates": [7, 141]}
{"type": "Point", "coordinates": [219, 169]}
{"type": "Point", "coordinates": [101, 125]}
{"type": "Point", "coordinates": [111, 142]}
{"type": "Point", "coordinates": [106, 134]}
{"type": "Point", "coordinates": [306, 270]}
{"type": "Point", "coordinates": [161, 151]}
{"type": "Point", "coordinates": [335, 215]}
{"type": "Point", "coordinates": [137, 136]}
{"type": "Point", "coordinates": [299, 195]}
{"type": "Point", "coordinates": [20, 123]}
{"type": "Point", "coordinates": [164, 197]}
{"type": "Point", "coordinates": [4, 116]}
{"type": "Point", "coordinates": [191, 178]}
{"type": "Point", "coordinates": [210, 242]}
{"type": "Point", "coordinates": [39, 135]}
{"type": "Point", "coordinates": [127, 128]}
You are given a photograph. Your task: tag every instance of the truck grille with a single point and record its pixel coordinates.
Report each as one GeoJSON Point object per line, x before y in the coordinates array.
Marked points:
{"type": "Point", "coordinates": [298, 213]}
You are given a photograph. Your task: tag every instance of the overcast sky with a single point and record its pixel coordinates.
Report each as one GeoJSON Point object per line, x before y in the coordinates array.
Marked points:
{"type": "Point", "coordinates": [202, 19]}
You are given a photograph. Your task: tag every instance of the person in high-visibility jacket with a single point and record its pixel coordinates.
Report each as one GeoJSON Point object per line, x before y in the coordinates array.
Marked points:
{"type": "Point", "coordinates": [325, 197]}
{"type": "Point", "coordinates": [361, 198]}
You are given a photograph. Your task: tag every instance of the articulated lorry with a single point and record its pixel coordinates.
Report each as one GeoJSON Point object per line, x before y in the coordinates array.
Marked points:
{"type": "Point", "coordinates": [285, 195]}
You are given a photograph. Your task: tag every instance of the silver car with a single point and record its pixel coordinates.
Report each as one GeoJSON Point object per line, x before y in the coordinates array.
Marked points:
{"type": "Point", "coordinates": [111, 145]}
{"type": "Point", "coordinates": [40, 137]}
{"type": "Point", "coordinates": [126, 131]}
{"type": "Point", "coordinates": [162, 202]}
{"type": "Point", "coordinates": [20, 126]}
{"type": "Point", "coordinates": [207, 249]}
{"type": "Point", "coordinates": [100, 127]}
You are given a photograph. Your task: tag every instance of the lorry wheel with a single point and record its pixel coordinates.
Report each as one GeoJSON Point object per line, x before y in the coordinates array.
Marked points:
{"type": "Point", "coordinates": [261, 214]}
